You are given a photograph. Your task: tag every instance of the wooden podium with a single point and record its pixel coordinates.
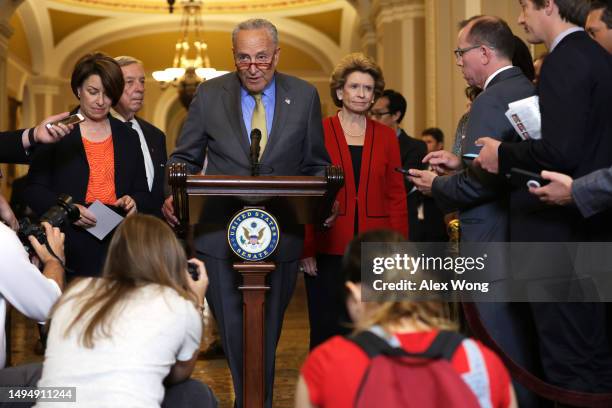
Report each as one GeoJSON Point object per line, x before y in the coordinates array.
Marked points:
{"type": "Point", "coordinates": [215, 200]}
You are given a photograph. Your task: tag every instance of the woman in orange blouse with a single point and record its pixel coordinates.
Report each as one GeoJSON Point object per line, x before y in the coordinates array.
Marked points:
{"type": "Point", "coordinates": [100, 160]}
{"type": "Point", "coordinates": [373, 197]}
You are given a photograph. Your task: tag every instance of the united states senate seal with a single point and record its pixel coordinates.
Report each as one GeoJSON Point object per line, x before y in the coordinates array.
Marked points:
{"type": "Point", "coordinates": [253, 234]}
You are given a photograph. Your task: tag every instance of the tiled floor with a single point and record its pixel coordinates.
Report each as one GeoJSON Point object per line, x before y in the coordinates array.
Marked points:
{"type": "Point", "coordinates": [291, 352]}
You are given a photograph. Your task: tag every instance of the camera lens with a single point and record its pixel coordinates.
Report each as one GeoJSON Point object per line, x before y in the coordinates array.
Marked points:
{"type": "Point", "coordinates": [56, 216]}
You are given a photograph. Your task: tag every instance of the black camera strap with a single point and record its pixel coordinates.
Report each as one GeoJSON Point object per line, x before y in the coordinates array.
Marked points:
{"type": "Point", "coordinates": [56, 257]}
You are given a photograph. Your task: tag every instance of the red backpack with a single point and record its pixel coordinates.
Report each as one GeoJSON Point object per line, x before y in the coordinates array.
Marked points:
{"type": "Point", "coordinates": [396, 378]}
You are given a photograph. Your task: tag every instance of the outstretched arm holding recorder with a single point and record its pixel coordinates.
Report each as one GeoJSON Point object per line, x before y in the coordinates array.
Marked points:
{"type": "Point", "coordinates": [15, 145]}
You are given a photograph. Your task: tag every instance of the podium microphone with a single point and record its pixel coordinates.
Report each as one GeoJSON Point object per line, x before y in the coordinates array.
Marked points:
{"type": "Point", "coordinates": [255, 148]}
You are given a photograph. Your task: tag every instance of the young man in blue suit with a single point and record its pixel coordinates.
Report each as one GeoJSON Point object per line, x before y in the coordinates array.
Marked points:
{"type": "Point", "coordinates": [574, 89]}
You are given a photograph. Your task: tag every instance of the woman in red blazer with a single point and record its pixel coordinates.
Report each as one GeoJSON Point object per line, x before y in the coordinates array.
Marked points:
{"type": "Point", "coordinates": [373, 196]}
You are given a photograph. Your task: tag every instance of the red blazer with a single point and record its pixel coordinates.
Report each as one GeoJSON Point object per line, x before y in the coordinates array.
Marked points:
{"type": "Point", "coordinates": [381, 197]}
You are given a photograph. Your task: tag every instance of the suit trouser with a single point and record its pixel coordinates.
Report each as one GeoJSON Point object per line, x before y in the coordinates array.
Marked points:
{"type": "Point", "coordinates": [574, 345]}
{"type": "Point", "coordinates": [326, 306]}
{"type": "Point", "coordinates": [505, 322]}
{"type": "Point", "coordinates": [226, 304]}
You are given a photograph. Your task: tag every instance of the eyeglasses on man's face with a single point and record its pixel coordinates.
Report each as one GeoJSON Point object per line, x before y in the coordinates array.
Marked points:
{"type": "Point", "coordinates": [460, 51]}
{"type": "Point", "coordinates": [379, 114]}
{"type": "Point", "coordinates": [262, 61]}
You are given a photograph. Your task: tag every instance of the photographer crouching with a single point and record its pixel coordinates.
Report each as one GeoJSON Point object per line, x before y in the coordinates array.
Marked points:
{"type": "Point", "coordinates": [21, 283]}
{"type": "Point", "coordinates": [32, 293]}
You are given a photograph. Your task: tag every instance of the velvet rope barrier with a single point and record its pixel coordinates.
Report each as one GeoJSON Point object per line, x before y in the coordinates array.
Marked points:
{"type": "Point", "coordinates": [530, 381]}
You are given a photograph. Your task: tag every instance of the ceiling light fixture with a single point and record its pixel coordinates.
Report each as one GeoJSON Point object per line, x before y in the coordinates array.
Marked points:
{"type": "Point", "coordinates": [191, 64]}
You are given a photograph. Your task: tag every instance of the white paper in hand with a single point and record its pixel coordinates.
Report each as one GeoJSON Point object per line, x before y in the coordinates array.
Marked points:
{"type": "Point", "coordinates": [525, 117]}
{"type": "Point", "coordinates": [106, 220]}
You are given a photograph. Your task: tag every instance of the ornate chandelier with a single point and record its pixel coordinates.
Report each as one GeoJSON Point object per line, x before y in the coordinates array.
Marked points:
{"type": "Point", "coordinates": [191, 64]}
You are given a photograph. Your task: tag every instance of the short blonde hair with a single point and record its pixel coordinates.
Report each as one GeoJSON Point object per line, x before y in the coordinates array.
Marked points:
{"type": "Point", "coordinates": [355, 62]}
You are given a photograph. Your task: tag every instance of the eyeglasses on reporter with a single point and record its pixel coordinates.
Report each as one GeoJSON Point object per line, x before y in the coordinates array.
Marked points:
{"type": "Point", "coordinates": [459, 52]}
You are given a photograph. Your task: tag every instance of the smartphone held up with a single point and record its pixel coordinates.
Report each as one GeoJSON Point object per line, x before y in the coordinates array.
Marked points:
{"type": "Point", "coordinates": [70, 120]}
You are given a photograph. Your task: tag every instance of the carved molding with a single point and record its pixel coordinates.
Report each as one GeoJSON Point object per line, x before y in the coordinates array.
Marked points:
{"type": "Point", "coordinates": [431, 62]}
{"type": "Point", "coordinates": [397, 11]}
{"type": "Point", "coordinates": [46, 85]}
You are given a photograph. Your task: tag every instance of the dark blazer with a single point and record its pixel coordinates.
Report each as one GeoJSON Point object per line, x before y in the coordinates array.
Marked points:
{"type": "Point", "coordinates": [62, 168]}
{"type": "Point", "coordinates": [215, 127]}
{"type": "Point", "coordinates": [412, 152]}
{"type": "Point", "coordinates": [381, 192]}
{"type": "Point", "coordinates": [11, 147]}
{"type": "Point", "coordinates": [482, 199]}
{"type": "Point", "coordinates": [156, 143]}
{"type": "Point", "coordinates": [574, 89]}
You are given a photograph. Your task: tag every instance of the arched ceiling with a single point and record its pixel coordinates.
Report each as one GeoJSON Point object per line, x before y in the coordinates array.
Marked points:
{"type": "Point", "coordinates": [210, 6]}
{"type": "Point", "coordinates": [50, 35]}
{"type": "Point", "coordinates": [155, 58]}
{"type": "Point", "coordinates": [19, 41]}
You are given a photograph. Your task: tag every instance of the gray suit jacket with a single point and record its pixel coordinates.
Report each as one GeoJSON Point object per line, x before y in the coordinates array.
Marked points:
{"type": "Point", "coordinates": [480, 197]}
{"type": "Point", "coordinates": [214, 128]}
{"type": "Point", "coordinates": [593, 193]}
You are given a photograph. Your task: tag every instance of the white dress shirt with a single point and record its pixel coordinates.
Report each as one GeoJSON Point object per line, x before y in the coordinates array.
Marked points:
{"type": "Point", "coordinates": [22, 285]}
{"type": "Point", "coordinates": [493, 75]}
{"type": "Point", "coordinates": [148, 162]}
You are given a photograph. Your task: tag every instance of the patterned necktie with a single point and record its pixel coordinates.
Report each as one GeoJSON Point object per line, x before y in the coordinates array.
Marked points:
{"type": "Point", "coordinates": [258, 121]}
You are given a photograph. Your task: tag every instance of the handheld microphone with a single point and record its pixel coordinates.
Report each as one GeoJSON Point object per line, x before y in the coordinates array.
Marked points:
{"type": "Point", "coordinates": [255, 148]}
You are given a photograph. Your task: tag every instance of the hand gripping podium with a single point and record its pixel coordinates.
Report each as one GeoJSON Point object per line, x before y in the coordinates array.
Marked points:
{"type": "Point", "coordinates": [231, 200]}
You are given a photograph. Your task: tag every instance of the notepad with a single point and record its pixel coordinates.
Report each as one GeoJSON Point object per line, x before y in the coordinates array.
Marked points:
{"type": "Point", "coordinates": [106, 220]}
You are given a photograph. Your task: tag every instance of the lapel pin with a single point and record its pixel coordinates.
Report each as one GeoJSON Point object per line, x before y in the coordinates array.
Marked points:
{"type": "Point", "coordinates": [288, 101]}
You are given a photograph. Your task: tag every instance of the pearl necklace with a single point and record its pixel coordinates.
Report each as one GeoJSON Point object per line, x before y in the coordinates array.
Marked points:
{"type": "Point", "coordinates": [347, 132]}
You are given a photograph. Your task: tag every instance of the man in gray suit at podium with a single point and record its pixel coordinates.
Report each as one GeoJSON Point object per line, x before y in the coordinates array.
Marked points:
{"type": "Point", "coordinates": [221, 117]}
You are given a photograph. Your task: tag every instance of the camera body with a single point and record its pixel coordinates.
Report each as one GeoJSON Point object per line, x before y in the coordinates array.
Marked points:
{"type": "Point", "coordinates": [57, 215]}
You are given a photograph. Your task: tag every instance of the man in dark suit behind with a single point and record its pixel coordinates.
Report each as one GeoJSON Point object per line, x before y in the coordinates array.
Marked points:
{"type": "Point", "coordinates": [574, 89]}
{"type": "Point", "coordinates": [599, 23]}
{"type": "Point", "coordinates": [431, 218]}
{"type": "Point", "coordinates": [152, 139]}
{"type": "Point", "coordinates": [218, 125]}
{"type": "Point", "coordinates": [389, 110]}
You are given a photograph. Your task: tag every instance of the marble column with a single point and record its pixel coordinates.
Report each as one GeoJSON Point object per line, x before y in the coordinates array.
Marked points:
{"type": "Point", "coordinates": [400, 40]}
